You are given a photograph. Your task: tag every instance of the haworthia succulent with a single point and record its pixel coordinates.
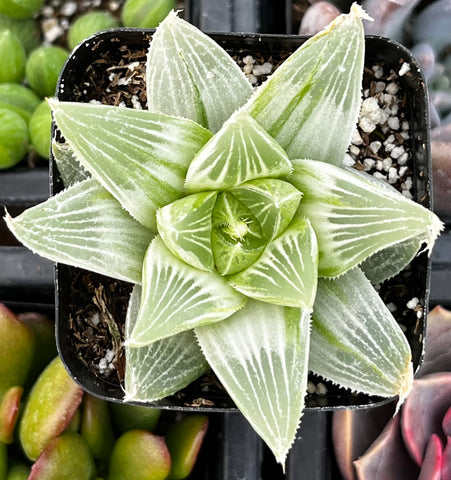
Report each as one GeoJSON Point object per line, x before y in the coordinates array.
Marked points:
{"type": "Point", "coordinates": [286, 272]}
{"type": "Point", "coordinates": [190, 76]}
{"type": "Point", "coordinates": [140, 157]}
{"type": "Point", "coordinates": [74, 226]}
{"type": "Point", "coordinates": [185, 227]}
{"type": "Point", "coordinates": [239, 152]}
{"type": "Point", "coordinates": [69, 167]}
{"type": "Point", "coordinates": [320, 83]}
{"type": "Point", "coordinates": [355, 217]}
{"type": "Point", "coordinates": [162, 368]}
{"type": "Point", "coordinates": [177, 297]}
{"type": "Point", "coordinates": [355, 341]}
{"type": "Point", "coordinates": [260, 356]}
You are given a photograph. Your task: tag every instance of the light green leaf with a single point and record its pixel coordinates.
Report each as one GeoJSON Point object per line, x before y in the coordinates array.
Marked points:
{"type": "Point", "coordinates": [163, 367]}
{"type": "Point", "coordinates": [272, 202]}
{"type": "Point", "coordinates": [177, 297]}
{"type": "Point", "coordinates": [260, 356]}
{"type": "Point", "coordinates": [389, 262]}
{"type": "Point", "coordinates": [185, 227]}
{"type": "Point", "coordinates": [140, 157]}
{"type": "Point", "coordinates": [191, 76]}
{"type": "Point", "coordinates": [355, 217]}
{"type": "Point", "coordinates": [69, 167]}
{"type": "Point", "coordinates": [355, 340]}
{"type": "Point", "coordinates": [237, 239]}
{"type": "Point", "coordinates": [74, 227]}
{"type": "Point", "coordinates": [239, 152]}
{"type": "Point", "coordinates": [311, 103]}
{"type": "Point", "coordinates": [286, 272]}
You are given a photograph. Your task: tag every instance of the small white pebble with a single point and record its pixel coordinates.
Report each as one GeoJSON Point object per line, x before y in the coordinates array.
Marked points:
{"type": "Point", "coordinates": [109, 355]}
{"type": "Point", "coordinates": [394, 109]}
{"type": "Point", "coordinates": [411, 304]}
{"type": "Point", "coordinates": [311, 387]}
{"type": "Point", "coordinates": [354, 150]}
{"type": "Point", "coordinates": [264, 69]}
{"type": "Point", "coordinates": [379, 165]}
{"type": "Point", "coordinates": [405, 67]}
{"type": "Point", "coordinates": [366, 93]}
{"type": "Point", "coordinates": [379, 175]}
{"type": "Point", "coordinates": [95, 319]}
{"type": "Point", "coordinates": [375, 146]}
{"type": "Point", "coordinates": [402, 171]}
{"type": "Point", "coordinates": [389, 147]}
{"type": "Point", "coordinates": [405, 135]}
{"type": "Point", "coordinates": [392, 307]}
{"type": "Point", "coordinates": [388, 99]}
{"type": "Point", "coordinates": [380, 86]}
{"type": "Point", "coordinates": [397, 152]}
{"type": "Point", "coordinates": [407, 194]}
{"type": "Point", "coordinates": [123, 81]}
{"type": "Point", "coordinates": [68, 8]}
{"type": "Point", "coordinates": [111, 76]}
{"type": "Point", "coordinates": [407, 185]}
{"type": "Point", "coordinates": [371, 115]}
{"type": "Point", "coordinates": [392, 175]}
{"type": "Point", "coordinates": [393, 123]}
{"type": "Point", "coordinates": [348, 161]}
{"type": "Point", "coordinates": [378, 71]}
{"type": "Point", "coordinates": [248, 59]}
{"type": "Point", "coordinates": [356, 138]}
{"type": "Point", "coordinates": [368, 164]}
{"type": "Point", "coordinates": [419, 313]}
{"type": "Point", "coordinates": [402, 160]}
{"type": "Point", "coordinates": [136, 103]}
{"type": "Point", "coordinates": [247, 69]}
{"type": "Point", "coordinates": [321, 389]}
{"type": "Point", "coordinates": [132, 66]}
{"type": "Point", "coordinates": [405, 125]}
{"type": "Point", "coordinates": [386, 163]}
{"type": "Point", "coordinates": [103, 365]}
{"type": "Point", "coordinates": [95, 102]}
{"type": "Point", "coordinates": [392, 88]}
{"type": "Point", "coordinates": [252, 79]}
{"type": "Point", "coordinates": [389, 139]}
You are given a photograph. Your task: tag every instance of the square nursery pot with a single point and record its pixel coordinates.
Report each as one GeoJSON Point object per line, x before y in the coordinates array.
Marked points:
{"type": "Point", "coordinates": [89, 65]}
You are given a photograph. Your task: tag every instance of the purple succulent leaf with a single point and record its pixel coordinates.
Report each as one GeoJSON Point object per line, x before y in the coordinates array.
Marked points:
{"type": "Point", "coordinates": [317, 16]}
{"type": "Point", "coordinates": [387, 458]}
{"type": "Point", "coordinates": [441, 170]}
{"type": "Point", "coordinates": [432, 465]}
{"type": "Point", "coordinates": [446, 422]}
{"type": "Point", "coordinates": [353, 431]}
{"type": "Point", "coordinates": [437, 356]}
{"type": "Point", "coordinates": [425, 55]}
{"type": "Point", "coordinates": [423, 412]}
{"type": "Point", "coordinates": [442, 133]}
{"type": "Point", "coordinates": [446, 460]}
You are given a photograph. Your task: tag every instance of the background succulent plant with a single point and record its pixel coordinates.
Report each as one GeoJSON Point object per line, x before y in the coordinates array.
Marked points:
{"type": "Point", "coordinates": [416, 442]}
{"type": "Point", "coordinates": [224, 206]}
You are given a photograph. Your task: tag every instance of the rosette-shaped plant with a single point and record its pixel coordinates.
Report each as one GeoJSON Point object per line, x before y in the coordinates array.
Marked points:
{"type": "Point", "coordinates": [230, 212]}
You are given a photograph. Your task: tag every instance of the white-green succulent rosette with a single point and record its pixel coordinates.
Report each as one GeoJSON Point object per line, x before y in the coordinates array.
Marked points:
{"type": "Point", "coordinates": [229, 211]}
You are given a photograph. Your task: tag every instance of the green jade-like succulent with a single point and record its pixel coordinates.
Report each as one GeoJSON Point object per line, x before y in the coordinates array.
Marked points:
{"type": "Point", "coordinates": [229, 210]}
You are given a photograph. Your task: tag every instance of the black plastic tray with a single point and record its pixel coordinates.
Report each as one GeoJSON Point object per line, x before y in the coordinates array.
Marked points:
{"type": "Point", "coordinates": [378, 50]}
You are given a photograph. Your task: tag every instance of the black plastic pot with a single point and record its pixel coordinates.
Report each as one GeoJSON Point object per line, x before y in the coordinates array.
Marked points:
{"type": "Point", "coordinates": [379, 50]}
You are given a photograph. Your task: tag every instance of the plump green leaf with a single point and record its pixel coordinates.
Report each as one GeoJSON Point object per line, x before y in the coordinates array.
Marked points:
{"type": "Point", "coordinates": [239, 152]}
{"type": "Point", "coordinates": [177, 297]}
{"type": "Point", "coordinates": [286, 272]}
{"type": "Point", "coordinates": [389, 262]}
{"type": "Point", "coordinates": [355, 340]}
{"type": "Point", "coordinates": [320, 83]}
{"type": "Point", "coordinates": [74, 226]}
{"type": "Point", "coordinates": [237, 239]}
{"type": "Point", "coordinates": [260, 355]}
{"type": "Point", "coordinates": [273, 202]}
{"type": "Point", "coordinates": [355, 217]}
{"type": "Point", "coordinates": [140, 157]}
{"type": "Point", "coordinates": [69, 167]}
{"type": "Point", "coordinates": [185, 227]}
{"type": "Point", "coordinates": [163, 367]}
{"type": "Point", "coordinates": [191, 76]}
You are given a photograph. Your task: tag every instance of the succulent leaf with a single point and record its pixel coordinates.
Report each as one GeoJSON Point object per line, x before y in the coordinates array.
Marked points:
{"type": "Point", "coordinates": [432, 464]}
{"type": "Point", "coordinates": [127, 151]}
{"type": "Point", "coordinates": [191, 76]}
{"type": "Point", "coordinates": [74, 226]}
{"type": "Point", "coordinates": [260, 356]}
{"type": "Point", "coordinates": [163, 367]}
{"type": "Point", "coordinates": [272, 202]}
{"type": "Point", "coordinates": [286, 272]}
{"type": "Point", "coordinates": [177, 297]}
{"type": "Point", "coordinates": [239, 152]}
{"type": "Point", "coordinates": [237, 239]}
{"type": "Point", "coordinates": [185, 227]}
{"type": "Point", "coordinates": [354, 217]}
{"type": "Point", "coordinates": [69, 167]}
{"type": "Point", "coordinates": [355, 340]}
{"type": "Point", "coordinates": [300, 103]}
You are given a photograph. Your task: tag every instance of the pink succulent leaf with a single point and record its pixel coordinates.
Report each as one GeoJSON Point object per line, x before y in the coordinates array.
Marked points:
{"type": "Point", "coordinates": [446, 422]}
{"type": "Point", "coordinates": [353, 431]}
{"type": "Point", "coordinates": [431, 469]}
{"type": "Point", "coordinates": [441, 172]}
{"type": "Point", "coordinates": [446, 461]}
{"type": "Point", "coordinates": [387, 458]}
{"type": "Point", "coordinates": [437, 357]}
{"type": "Point", "coordinates": [423, 412]}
